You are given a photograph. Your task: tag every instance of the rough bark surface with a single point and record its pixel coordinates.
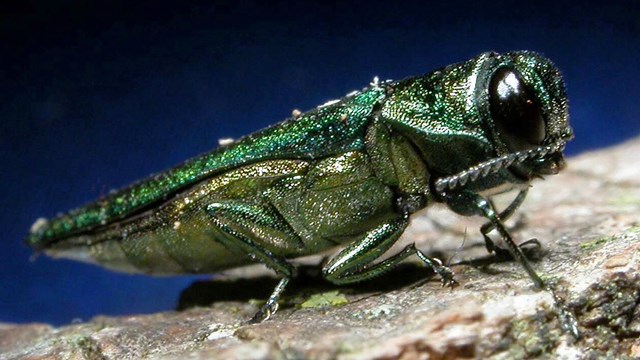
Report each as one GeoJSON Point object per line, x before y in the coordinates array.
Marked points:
{"type": "Point", "coordinates": [587, 219]}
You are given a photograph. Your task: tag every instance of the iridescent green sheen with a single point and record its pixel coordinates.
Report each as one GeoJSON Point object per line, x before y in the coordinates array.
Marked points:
{"type": "Point", "coordinates": [319, 133]}
{"type": "Point", "coordinates": [349, 172]}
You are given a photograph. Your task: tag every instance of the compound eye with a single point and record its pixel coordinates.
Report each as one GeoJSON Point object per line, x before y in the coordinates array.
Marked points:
{"type": "Point", "coordinates": [515, 110]}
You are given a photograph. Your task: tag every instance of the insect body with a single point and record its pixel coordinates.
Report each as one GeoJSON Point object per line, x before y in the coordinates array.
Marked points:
{"type": "Point", "coordinates": [350, 172]}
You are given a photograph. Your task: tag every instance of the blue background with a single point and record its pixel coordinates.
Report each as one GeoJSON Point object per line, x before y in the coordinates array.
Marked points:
{"type": "Point", "coordinates": [96, 96]}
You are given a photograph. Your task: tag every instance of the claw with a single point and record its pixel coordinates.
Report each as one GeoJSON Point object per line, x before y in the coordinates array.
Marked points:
{"type": "Point", "coordinates": [264, 313]}
{"type": "Point", "coordinates": [526, 246]}
{"type": "Point", "coordinates": [533, 242]}
{"type": "Point", "coordinates": [447, 277]}
{"type": "Point", "coordinates": [446, 274]}
{"type": "Point", "coordinates": [450, 283]}
{"type": "Point", "coordinates": [260, 316]}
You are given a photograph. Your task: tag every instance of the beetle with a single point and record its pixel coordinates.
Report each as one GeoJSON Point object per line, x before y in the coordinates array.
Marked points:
{"type": "Point", "coordinates": [350, 172]}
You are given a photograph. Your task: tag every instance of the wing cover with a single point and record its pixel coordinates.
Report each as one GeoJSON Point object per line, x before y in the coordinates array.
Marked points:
{"type": "Point", "coordinates": [324, 131]}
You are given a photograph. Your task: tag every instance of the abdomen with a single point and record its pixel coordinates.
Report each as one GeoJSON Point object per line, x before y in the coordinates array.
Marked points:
{"type": "Point", "coordinates": [178, 236]}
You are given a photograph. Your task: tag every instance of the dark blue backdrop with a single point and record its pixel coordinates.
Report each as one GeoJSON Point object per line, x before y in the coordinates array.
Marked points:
{"type": "Point", "coordinates": [96, 96]}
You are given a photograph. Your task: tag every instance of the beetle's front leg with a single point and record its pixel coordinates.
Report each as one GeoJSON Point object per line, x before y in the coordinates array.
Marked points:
{"type": "Point", "coordinates": [247, 228]}
{"type": "Point", "coordinates": [350, 265]}
{"type": "Point", "coordinates": [468, 203]}
{"type": "Point", "coordinates": [504, 215]}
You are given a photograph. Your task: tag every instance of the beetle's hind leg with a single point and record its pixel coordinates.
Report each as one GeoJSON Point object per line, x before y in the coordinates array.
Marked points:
{"type": "Point", "coordinates": [504, 215]}
{"type": "Point", "coordinates": [352, 264]}
{"type": "Point", "coordinates": [250, 229]}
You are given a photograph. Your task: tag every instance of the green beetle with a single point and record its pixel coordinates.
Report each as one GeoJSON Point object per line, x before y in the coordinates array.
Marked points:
{"type": "Point", "coordinates": [350, 172]}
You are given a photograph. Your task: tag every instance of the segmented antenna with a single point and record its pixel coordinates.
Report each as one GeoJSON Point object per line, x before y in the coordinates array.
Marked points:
{"type": "Point", "coordinates": [494, 165]}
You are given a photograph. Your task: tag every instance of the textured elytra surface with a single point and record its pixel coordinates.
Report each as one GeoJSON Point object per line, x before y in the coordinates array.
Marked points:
{"type": "Point", "coordinates": [587, 219]}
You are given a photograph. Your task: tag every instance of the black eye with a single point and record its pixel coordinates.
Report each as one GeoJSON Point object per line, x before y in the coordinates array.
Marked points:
{"type": "Point", "coordinates": [516, 110]}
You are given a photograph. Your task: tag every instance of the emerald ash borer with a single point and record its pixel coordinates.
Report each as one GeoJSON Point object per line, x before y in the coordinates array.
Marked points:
{"type": "Point", "coordinates": [348, 173]}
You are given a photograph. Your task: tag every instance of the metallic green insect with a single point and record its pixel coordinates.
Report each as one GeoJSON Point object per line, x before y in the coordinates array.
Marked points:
{"type": "Point", "coordinates": [350, 172]}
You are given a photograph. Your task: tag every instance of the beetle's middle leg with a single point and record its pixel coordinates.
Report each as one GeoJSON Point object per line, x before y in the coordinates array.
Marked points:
{"type": "Point", "coordinates": [350, 265]}
{"type": "Point", "coordinates": [248, 228]}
